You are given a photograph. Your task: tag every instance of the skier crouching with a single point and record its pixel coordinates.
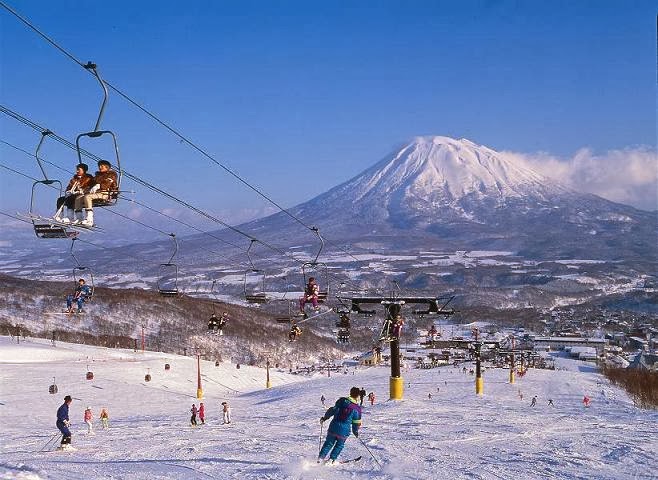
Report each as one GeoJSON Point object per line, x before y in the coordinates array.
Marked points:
{"type": "Point", "coordinates": [346, 415]}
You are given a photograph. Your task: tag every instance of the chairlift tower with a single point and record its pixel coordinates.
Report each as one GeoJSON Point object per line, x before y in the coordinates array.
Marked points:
{"type": "Point", "coordinates": [392, 308]}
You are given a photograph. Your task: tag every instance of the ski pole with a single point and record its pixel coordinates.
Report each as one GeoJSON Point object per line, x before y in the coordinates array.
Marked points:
{"type": "Point", "coordinates": [50, 440]}
{"type": "Point", "coordinates": [373, 457]}
{"type": "Point", "coordinates": [320, 439]}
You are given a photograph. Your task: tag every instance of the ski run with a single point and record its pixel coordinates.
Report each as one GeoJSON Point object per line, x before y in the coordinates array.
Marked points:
{"type": "Point", "coordinates": [275, 433]}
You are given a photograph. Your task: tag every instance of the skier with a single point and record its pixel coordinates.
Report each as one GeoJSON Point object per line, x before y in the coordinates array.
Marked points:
{"type": "Point", "coordinates": [429, 396]}
{"type": "Point", "coordinates": [362, 395]}
{"type": "Point", "coordinates": [371, 397]}
{"type": "Point", "coordinates": [202, 413]}
{"type": "Point", "coordinates": [534, 401]}
{"type": "Point", "coordinates": [346, 415]}
{"type": "Point", "coordinates": [105, 418]}
{"type": "Point", "coordinates": [322, 399]}
{"type": "Point", "coordinates": [63, 423]}
{"type": "Point", "coordinates": [550, 402]}
{"type": "Point", "coordinates": [311, 294]}
{"type": "Point", "coordinates": [81, 294]}
{"type": "Point", "coordinates": [193, 418]}
{"type": "Point", "coordinates": [88, 417]}
{"type": "Point", "coordinates": [226, 410]}
{"type": "Point", "coordinates": [586, 401]}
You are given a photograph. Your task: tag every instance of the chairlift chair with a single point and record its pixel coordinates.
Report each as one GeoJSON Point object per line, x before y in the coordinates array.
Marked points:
{"type": "Point", "coordinates": [79, 270]}
{"type": "Point", "coordinates": [42, 227]}
{"type": "Point", "coordinates": [96, 133]}
{"type": "Point", "coordinates": [254, 276]}
{"type": "Point", "coordinates": [319, 270]}
{"type": "Point", "coordinates": [168, 278]}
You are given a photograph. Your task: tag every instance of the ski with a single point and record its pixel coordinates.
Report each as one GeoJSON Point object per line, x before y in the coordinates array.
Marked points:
{"type": "Point", "coordinates": [350, 460]}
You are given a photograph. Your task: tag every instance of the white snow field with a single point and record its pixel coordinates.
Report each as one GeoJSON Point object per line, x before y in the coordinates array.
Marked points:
{"type": "Point", "coordinates": [275, 433]}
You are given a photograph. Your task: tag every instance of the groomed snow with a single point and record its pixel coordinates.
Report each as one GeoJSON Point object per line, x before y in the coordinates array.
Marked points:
{"type": "Point", "coordinates": [275, 432]}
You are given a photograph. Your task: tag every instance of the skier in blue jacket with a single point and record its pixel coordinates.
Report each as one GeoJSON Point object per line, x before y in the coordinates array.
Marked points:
{"type": "Point", "coordinates": [63, 422]}
{"type": "Point", "coordinates": [346, 415]}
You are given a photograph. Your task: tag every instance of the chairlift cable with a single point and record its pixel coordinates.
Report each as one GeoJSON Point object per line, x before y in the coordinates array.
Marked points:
{"type": "Point", "coordinates": [146, 184]}
{"type": "Point", "coordinates": [165, 125]}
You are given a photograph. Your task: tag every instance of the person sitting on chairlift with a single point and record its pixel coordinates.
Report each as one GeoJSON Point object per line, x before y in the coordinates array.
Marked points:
{"type": "Point", "coordinates": [222, 323]}
{"type": "Point", "coordinates": [78, 186]}
{"type": "Point", "coordinates": [105, 189]}
{"type": "Point", "coordinates": [81, 294]}
{"type": "Point", "coordinates": [311, 294]}
{"type": "Point", "coordinates": [295, 331]}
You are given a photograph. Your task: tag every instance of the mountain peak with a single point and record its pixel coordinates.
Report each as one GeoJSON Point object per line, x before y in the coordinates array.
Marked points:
{"type": "Point", "coordinates": [447, 169]}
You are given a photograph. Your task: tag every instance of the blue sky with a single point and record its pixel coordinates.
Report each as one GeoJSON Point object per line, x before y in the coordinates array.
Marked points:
{"type": "Point", "coordinates": [298, 96]}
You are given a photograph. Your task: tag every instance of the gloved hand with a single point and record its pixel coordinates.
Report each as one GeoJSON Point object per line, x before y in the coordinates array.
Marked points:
{"type": "Point", "coordinates": [321, 420]}
{"type": "Point", "coordinates": [356, 434]}
{"type": "Point", "coordinates": [95, 188]}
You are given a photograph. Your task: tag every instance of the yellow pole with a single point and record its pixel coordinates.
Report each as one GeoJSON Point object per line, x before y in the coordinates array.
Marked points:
{"type": "Point", "coordinates": [396, 388]}
{"type": "Point", "coordinates": [479, 386]}
{"type": "Point", "coordinates": [511, 375]}
{"type": "Point", "coordinates": [199, 390]}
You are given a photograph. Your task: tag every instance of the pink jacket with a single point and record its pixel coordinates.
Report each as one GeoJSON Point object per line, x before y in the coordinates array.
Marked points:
{"type": "Point", "coordinates": [88, 415]}
{"type": "Point", "coordinates": [202, 411]}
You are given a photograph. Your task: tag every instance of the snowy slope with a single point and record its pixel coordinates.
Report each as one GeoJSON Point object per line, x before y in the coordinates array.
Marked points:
{"type": "Point", "coordinates": [274, 433]}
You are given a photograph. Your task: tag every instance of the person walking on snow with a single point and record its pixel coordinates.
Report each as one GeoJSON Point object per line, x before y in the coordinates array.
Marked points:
{"type": "Point", "coordinates": [362, 395]}
{"type": "Point", "coordinates": [371, 397]}
{"type": "Point", "coordinates": [202, 413]}
{"type": "Point", "coordinates": [194, 411]}
{"type": "Point", "coordinates": [346, 415]}
{"type": "Point", "coordinates": [226, 410]}
{"type": "Point", "coordinates": [88, 417]}
{"type": "Point", "coordinates": [63, 423]}
{"type": "Point", "coordinates": [105, 418]}
{"type": "Point", "coordinates": [534, 401]}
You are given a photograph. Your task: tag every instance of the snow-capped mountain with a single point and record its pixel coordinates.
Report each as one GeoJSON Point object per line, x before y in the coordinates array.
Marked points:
{"type": "Point", "coordinates": [461, 195]}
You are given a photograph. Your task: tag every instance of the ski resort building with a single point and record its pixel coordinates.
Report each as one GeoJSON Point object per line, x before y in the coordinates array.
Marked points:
{"type": "Point", "coordinates": [560, 343]}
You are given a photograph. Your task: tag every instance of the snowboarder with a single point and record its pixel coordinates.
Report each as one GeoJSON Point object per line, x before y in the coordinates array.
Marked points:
{"type": "Point", "coordinates": [322, 399]}
{"type": "Point", "coordinates": [63, 423]}
{"type": "Point", "coordinates": [371, 397]}
{"type": "Point", "coordinates": [226, 410]}
{"type": "Point", "coordinates": [362, 395]}
{"type": "Point", "coordinates": [193, 418]}
{"type": "Point", "coordinates": [202, 413]}
{"type": "Point", "coordinates": [80, 295]}
{"type": "Point", "coordinates": [533, 402]}
{"type": "Point", "coordinates": [105, 418]}
{"type": "Point", "coordinates": [346, 415]}
{"type": "Point", "coordinates": [88, 417]}
{"type": "Point", "coordinates": [311, 294]}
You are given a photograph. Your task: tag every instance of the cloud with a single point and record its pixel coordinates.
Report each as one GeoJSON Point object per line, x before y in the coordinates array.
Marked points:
{"type": "Point", "coordinates": [628, 176]}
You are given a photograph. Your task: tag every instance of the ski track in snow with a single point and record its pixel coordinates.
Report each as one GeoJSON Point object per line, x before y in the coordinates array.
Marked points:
{"type": "Point", "coordinates": [274, 434]}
